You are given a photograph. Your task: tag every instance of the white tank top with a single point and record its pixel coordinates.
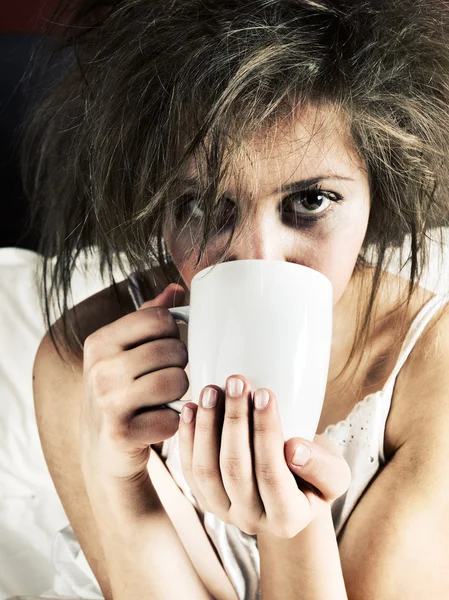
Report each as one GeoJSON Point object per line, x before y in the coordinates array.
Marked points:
{"type": "Point", "coordinates": [359, 437]}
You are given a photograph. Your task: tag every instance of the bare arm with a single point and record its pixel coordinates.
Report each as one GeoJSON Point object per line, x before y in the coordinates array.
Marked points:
{"type": "Point", "coordinates": [306, 567]}
{"type": "Point", "coordinates": [395, 545]}
{"type": "Point", "coordinates": [143, 553]}
{"type": "Point", "coordinates": [404, 513]}
{"type": "Point", "coordinates": [58, 391]}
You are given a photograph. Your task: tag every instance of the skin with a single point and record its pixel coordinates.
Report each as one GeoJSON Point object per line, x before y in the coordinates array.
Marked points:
{"type": "Point", "coordinates": [238, 491]}
{"type": "Point", "coordinates": [333, 244]}
{"type": "Point", "coordinates": [121, 368]}
{"type": "Point", "coordinates": [108, 491]}
{"type": "Point", "coordinates": [315, 144]}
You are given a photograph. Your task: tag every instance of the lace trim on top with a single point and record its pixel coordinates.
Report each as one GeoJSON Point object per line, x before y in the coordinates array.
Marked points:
{"type": "Point", "coordinates": [415, 330]}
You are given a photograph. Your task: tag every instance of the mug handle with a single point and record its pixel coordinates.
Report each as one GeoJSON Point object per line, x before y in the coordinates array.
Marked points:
{"type": "Point", "coordinates": [180, 313]}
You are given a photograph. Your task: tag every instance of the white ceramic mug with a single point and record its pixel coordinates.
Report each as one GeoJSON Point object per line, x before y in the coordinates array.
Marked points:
{"type": "Point", "coordinates": [270, 321]}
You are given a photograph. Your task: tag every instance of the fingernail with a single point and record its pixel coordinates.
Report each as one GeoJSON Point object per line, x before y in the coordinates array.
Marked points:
{"type": "Point", "coordinates": [261, 398]}
{"type": "Point", "coordinates": [234, 387]}
{"type": "Point", "coordinates": [301, 455]}
{"type": "Point", "coordinates": [209, 398]}
{"type": "Point", "coordinates": [186, 414]}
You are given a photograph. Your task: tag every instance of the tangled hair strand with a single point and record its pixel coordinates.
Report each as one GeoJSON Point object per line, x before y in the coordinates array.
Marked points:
{"type": "Point", "coordinates": [155, 85]}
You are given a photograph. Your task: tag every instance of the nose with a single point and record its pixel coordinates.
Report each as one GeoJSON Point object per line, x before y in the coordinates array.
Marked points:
{"type": "Point", "coordinates": [265, 237]}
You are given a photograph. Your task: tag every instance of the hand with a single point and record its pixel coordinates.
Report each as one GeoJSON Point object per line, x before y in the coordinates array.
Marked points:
{"type": "Point", "coordinates": [235, 461]}
{"type": "Point", "coordinates": [131, 367]}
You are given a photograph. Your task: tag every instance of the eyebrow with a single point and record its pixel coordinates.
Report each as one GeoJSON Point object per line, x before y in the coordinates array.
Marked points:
{"type": "Point", "coordinates": [304, 184]}
{"type": "Point", "coordinates": [296, 186]}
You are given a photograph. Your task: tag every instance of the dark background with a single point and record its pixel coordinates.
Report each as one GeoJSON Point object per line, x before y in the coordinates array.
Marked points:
{"type": "Point", "coordinates": [21, 26]}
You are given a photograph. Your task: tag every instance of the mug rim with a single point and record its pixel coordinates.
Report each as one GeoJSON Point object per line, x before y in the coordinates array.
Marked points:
{"type": "Point", "coordinates": [313, 273]}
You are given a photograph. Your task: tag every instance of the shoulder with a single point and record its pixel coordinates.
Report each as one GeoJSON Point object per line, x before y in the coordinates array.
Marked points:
{"type": "Point", "coordinates": [56, 371]}
{"type": "Point", "coordinates": [421, 390]}
{"type": "Point", "coordinates": [391, 319]}
{"type": "Point", "coordinates": [91, 314]}
{"type": "Point", "coordinates": [100, 309]}
{"type": "Point", "coordinates": [403, 512]}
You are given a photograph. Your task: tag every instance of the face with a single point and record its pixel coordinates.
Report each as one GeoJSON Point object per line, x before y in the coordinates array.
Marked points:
{"type": "Point", "coordinates": [322, 226]}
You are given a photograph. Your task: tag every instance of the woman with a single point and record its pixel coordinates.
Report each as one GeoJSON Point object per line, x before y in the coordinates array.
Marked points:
{"type": "Point", "coordinates": [192, 132]}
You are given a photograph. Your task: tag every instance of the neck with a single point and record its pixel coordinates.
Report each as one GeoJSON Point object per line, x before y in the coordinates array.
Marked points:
{"type": "Point", "coordinates": [345, 325]}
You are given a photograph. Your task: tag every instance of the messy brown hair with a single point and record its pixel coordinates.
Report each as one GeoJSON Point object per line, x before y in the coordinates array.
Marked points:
{"type": "Point", "coordinates": [154, 85]}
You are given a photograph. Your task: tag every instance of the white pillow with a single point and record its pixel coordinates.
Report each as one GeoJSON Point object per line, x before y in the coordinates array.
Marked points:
{"type": "Point", "coordinates": [30, 511]}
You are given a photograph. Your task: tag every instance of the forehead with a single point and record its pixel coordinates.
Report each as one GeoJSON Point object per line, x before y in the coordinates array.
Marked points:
{"type": "Point", "coordinates": [311, 142]}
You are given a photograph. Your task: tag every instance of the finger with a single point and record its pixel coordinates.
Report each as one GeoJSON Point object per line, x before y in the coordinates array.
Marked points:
{"type": "Point", "coordinates": [201, 446]}
{"type": "Point", "coordinates": [320, 464]}
{"type": "Point", "coordinates": [149, 357]}
{"type": "Point", "coordinates": [149, 391]}
{"type": "Point", "coordinates": [186, 436]}
{"type": "Point", "coordinates": [236, 455]}
{"type": "Point", "coordinates": [284, 504]}
{"type": "Point", "coordinates": [133, 329]}
{"type": "Point", "coordinates": [151, 427]}
{"type": "Point", "coordinates": [172, 295]}
{"type": "Point", "coordinates": [126, 443]}
{"type": "Point", "coordinates": [157, 388]}
{"type": "Point", "coordinates": [135, 413]}
{"type": "Point", "coordinates": [137, 433]}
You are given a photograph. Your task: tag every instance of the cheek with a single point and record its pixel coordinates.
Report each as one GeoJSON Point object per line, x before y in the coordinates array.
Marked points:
{"type": "Point", "coordinates": [334, 253]}
{"type": "Point", "coordinates": [178, 252]}
{"type": "Point", "coordinates": [342, 255]}
{"type": "Point", "coordinates": [340, 274]}
{"type": "Point", "coordinates": [186, 268]}
{"type": "Point", "coordinates": [185, 260]}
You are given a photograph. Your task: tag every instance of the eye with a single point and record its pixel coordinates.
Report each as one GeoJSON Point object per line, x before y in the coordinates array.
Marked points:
{"type": "Point", "coordinates": [313, 201]}
{"type": "Point", "coordinates": [189, 210]}
{"type": "Point", "coordinates": [188, 207]}
{"type": "Point", "coordinates": [310, 205]}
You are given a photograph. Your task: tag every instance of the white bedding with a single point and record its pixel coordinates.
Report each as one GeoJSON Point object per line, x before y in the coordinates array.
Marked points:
{"type": "Point", "coordinates": [31, 513]}
{"type": "Point", "coordinates": [37, 556]}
